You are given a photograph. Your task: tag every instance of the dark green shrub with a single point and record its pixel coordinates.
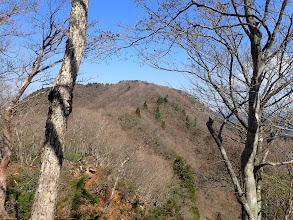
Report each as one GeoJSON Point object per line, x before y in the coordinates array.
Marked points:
{"type": "Point", "coordinates": [157, 113]}
{"type": "Point", "coordinates": [162, 100]}
{"type": "Point", "coordinates": [183, 112]}
{"type": "Point", "coordinates": [181, 196]}
{"type": "Point", "coordinates": [166, 99]}
{"type": "Point", "coordinates": [14, 157]}
{"type": "Point", "coordinates": [80, 194]}
{"type": "Point", "coordinates": [184, 173]}
{"type": "Point", "coordinates": [170, 209]}
{"type": "Point", "coordinates": [20, 193]}
{"type": "Point", "coordinates": [163, 125]}
{"type": "Point", "coordinates": [137, 112]}
{"type": "Point", "coordinates": [145, 105]}
{"type": "Point", "coordinates": [187, 122]}
{"type": "Point", "coordinates": [72, 156]}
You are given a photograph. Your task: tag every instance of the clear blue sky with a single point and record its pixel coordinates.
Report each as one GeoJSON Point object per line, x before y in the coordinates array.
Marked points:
{"type": "Point", "coordinates": [110, 13]}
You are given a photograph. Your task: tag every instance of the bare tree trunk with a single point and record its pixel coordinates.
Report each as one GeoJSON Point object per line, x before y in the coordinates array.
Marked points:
{"type": "Point", "coordinates": [9, 112]}
{"type": "Point", "coordinates": [60, 99]}
{"type": "Point", "coordinates": [5, 160]}
{"type": "Point", "coordinates": [259, 176]}
{"type": "Point", "coordinates": [252, 139]}
{"type": "Point", "coordinates": [254, 113]}
{"type": "Point", "coordinates": [246, 212]}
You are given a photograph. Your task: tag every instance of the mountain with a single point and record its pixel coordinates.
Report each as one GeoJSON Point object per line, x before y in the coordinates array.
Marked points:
{"type": "Point", "coordinates": [159, 132]}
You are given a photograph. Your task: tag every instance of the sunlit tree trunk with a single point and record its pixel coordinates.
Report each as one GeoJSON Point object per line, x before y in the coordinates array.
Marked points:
{"type": "Point", "coordinates": [60, 106]}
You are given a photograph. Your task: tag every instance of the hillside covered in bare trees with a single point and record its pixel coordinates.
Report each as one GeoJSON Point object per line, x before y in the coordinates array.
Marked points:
{"type": "Point", "coordinates": [149, 141]}
{"type": "Point", "coordinates": [135, 150]}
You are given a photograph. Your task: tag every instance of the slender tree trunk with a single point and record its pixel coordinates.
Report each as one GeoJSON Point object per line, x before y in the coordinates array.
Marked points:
{"type": "Point", "coordinates": [252, 139]}
{"type": "Point", "coordinates": [7, 147]}
{"type": "Point", "coordinates": [259, 173]}
{"type": "Point", "coordinates": [5, 160]}
{"type": "Point", "coordinates": [60, 107]}
{"type": "Point", "coordinates": [254, 113]}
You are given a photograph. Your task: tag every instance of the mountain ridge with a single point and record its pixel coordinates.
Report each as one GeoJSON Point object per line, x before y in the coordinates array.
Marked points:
{"type": "Point", "coordinates": [110, 122]}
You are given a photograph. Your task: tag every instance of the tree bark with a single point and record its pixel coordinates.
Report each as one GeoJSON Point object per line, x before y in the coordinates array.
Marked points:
{"type": "Point", "coordinates": [259, 175]}
{"type": "Point", "coordinates": [60, 107]}
{"type": "Point", "coordinates": [252, 139]}
{"type": "Point", "coordinates": [5, 160]}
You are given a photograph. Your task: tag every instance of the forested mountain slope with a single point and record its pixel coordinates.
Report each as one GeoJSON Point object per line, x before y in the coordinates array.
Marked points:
{"type": "Point", "coordinates": [146, 125]}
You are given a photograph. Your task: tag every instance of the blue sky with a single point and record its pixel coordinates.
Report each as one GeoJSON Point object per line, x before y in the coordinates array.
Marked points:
{"type": "Point", "coordinates": [110, 13]}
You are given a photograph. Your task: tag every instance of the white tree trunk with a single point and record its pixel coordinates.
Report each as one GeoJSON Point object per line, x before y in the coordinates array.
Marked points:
{"type": "Point", "coordinates": [60, 99]}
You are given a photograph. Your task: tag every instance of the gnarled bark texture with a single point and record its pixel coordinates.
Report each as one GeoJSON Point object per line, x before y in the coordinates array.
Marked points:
{"type": "Point", "coordinates": [60, 99]}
